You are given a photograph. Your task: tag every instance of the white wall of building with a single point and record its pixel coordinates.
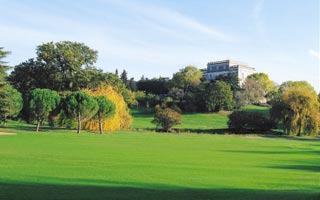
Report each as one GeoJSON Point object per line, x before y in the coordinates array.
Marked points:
{"type": "Point", "coordinates": [215, 69]}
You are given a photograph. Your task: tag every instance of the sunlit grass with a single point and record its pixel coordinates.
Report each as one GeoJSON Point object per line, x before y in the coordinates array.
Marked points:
{"type": "Point", "coordinates": [59, 164]}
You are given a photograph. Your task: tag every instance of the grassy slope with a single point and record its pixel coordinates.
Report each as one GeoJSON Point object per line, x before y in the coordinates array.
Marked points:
{"type": "Point", "coordinates": [259, 109]}
{"type": "Point", "coordinates": [197, 121]}
{"type": "Point", "coordinates": [129, 165]}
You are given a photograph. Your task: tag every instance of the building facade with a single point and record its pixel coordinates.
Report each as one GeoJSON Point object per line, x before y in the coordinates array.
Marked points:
{"type": "Point", "coordinates": [225, 67]}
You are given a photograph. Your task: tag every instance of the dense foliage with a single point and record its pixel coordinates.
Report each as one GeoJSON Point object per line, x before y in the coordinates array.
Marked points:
{"type": "Point", "coordinates": [167, 115]}
{"type": "Point", "coordinates": [244, 122]}
{"type": "Point", "coordinates": [167, 118]}
{"type": "Point", "coordinates": [106, 110]}
{"type": "Point", "coordinates": [297, 108]}
{"type": "Point", "coordinates": [187, 77]}
{"type": "Point", "coordinates": [81, 107]}
{"type": "Point", "coordinates": [155, 86]}
{"type": "Point", "coordinates": [10, 103]}
{"type": "Point", "coordinates": [121, 119]}
{"type": "Point", "coordinates": [3, 66]}
{"type": "Point", "coordinates": [218, 97]}
{"type": "Point", "coordinates": [10, 98]}
{"type": "Point", "coordinates": [42, 102]}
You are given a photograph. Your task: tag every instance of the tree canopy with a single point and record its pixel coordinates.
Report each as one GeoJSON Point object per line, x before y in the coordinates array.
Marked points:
{"type": "Point", "coordinates": [106, 109]}
{"type": "Point", "coordinates": [121, 119]}
{"type": "Point", "coordinates": [253, 92]}
{"type": "Point", "coordinates": [186, 77]}
{"type": "Point", "coordinates": [166, 118]}
{"type": "Point", "coordinates": [230, 79]}
{"type": "Point", "coordinates": [81, 106]}
{"type": "Point", "coordinates": [218, 97]}
{"type": "Point", "coordinates": [297, 108]}
{"type": "Point", "coordinates": [263, 80]}
{"type": "Point", "coordinates": [10, 103]}
{"type": "Point", "coordinates": [3, 67]}
{"type": "Point", "coordinates": [58, 66]}
{"type": "Point", "coordinates": [42, 102]}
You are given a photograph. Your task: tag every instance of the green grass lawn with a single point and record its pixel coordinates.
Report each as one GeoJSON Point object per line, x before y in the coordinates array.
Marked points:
{"type": "Point", "coordinates": [198, 122]}
{"type": "Point", "coordinates": [59, 164]}
{"type": "Point", "coordinates": [260, 109]}
{"type": "Point", "coordinates": [193, 122]}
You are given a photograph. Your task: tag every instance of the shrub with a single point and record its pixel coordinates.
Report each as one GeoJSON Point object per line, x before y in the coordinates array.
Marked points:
{"type": "Point", "coordinates": [244, 121]}
{"type": "Point", "coordinates": [166, 118]}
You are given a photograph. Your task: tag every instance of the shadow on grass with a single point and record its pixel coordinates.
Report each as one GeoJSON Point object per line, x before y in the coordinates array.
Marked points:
{"type": "Point", "coordinates": [24, 191]}
{"type": "Point", "coordinates": [221, 131]}
{"type": "Point", "coordinates": [185, 130]}
{"type": "Point", "coordinates": [275, 152]}
{"type": "Point", "coordinates": [309, 139]}
{"type": "Point", "coordinates": [30, 127]}
{"type": "Point", "coordinates": [311, 168]}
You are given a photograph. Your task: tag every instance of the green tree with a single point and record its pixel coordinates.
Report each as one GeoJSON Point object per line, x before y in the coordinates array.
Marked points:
{"type": "Point", "coordinates": [81, 106]}
{"type": "Point", "coordinates": [58, 66]}
{"type": "Point", "coordinates": [176, 94]}
{"type": "Point", "coordinates": [3, 66]}
{"type": "Point", "coordinates": [158, 86]}
{"type": "Point", "coordinates": [264, 89]}
{"type": "Point", "coordinates": [166, 118]}
{"type": "Point", "coordinates": [231, 79]}
{"type": "Point", "coordinates": [132, 85]}
{"type": "Point", "coordinates": [10, 99]}
{"type": "Point", "coordinates": [106, 110]}
{"type": "Point", "coordinates": [240, 99]}
{"type": "Point", "coordinates": [253, 92]}
{"type": "Point", "coordinates": [187, 77]}
{"type": "Point", "coordinates": [297, 108]}
{"type": "Point", "coordinates": [10, 103]}
{"type": "Point", "coordinates": [245, 121]}
{"type": "Point", "coordinates": [263, 80]}
{"type": "Point", "coordinates": [124, 78]}
{"type": "Point", "coordinates": [42, 102]}
{"type": "Point", "coordinates": [218, 97]}
{"type": "Point", "coordinates": [63, 61]}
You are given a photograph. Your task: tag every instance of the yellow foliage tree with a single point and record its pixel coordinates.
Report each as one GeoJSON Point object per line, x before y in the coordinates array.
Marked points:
{"type": "Point", "coordinates": [121, 120]}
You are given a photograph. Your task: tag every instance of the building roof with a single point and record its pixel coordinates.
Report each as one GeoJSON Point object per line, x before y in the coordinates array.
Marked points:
{"type": "Point", "coordinates": [231, 61]}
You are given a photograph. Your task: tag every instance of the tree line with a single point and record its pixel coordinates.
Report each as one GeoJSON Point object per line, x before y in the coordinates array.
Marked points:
{"type": "Point", "coordinates": [61, 71]}
{"type": "Point", "coordinates": [294, 105]}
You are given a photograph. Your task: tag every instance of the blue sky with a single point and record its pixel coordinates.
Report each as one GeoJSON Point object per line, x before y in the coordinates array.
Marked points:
{"type": "Point", "coordinates": [159, 37]}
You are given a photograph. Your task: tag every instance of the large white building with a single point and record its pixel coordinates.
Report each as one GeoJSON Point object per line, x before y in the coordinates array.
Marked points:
{"type": "Point", "coordinates": [225, 67]}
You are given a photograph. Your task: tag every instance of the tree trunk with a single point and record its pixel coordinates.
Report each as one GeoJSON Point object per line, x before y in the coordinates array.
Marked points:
{"type": "Point", "coordinates": [38, 125]}
{"type": "Point", "coordinates": [5, 121]}
{"type": "Point", "coordinates": [300, 129]}
{"type": "Point", "coordinates": [79, 123]}
{"type": "Point", "coordinates": [100, 123]}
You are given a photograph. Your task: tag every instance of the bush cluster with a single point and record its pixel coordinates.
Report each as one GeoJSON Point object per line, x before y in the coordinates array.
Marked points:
{"type": "Point", "coordinates": [244, 121]}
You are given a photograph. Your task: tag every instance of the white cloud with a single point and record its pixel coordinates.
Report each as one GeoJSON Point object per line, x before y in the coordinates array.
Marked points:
{"type": "Point", "coordinates": [259, 21]}
{"type": "Point", "coordinates": [171, 21]}
{"type": "Point", "coordinates": [314, 53]}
